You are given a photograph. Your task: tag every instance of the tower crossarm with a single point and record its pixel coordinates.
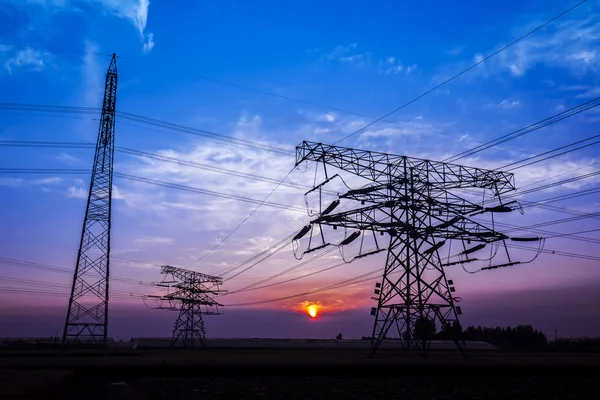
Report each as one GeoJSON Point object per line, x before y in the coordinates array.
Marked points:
{"type": "Point", "coordinates": [381, 167]}
{"type": "Point", "coordinates": [381, 219]}
{"type": "Point", "coordinates": [188, 276]}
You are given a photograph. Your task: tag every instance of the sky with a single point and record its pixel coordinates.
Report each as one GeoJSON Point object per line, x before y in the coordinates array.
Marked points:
{"type": "Point", "coordinates": [278, 74]}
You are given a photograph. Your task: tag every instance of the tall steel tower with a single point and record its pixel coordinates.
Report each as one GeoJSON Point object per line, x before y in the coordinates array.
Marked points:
{"type": "Point", "coordinates": [192, 298]}
{"type": "Point", "coordinates": [87, 314]}
{"type": "Point", "coordinates": [420, 205]}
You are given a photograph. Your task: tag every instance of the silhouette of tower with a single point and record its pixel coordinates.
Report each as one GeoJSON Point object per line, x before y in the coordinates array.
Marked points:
{"type": "Point", "coordinates": [192, 298]}
{"type": "Point", "coordinates": [420, 206]}
{"type": "Point", "coordinates": [87, 313]}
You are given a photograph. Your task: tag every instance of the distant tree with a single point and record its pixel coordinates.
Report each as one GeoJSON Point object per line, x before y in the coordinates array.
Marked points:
{"type": "Point", "coordinates": [519, 338]}
{"type": "Point", "coordinates": [424, 329]}
{"type": "Point", "coordinates": [339, 336]}
{"type": "Point", "coordinates": [450, 332]}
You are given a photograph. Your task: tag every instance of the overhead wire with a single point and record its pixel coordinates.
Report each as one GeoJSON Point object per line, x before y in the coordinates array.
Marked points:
{"type": "Point", "coordinates": [254, 145]}
{"type": "Point", "coordinates": [585, 106]}
{"type": "Point", "coordinates": [482, 60]}
{"type": "Point", "coordinates": [243, 220]}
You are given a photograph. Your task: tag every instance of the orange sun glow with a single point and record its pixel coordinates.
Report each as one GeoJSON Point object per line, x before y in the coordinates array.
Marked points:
{"type": "Point", "coordinates": [312, 310]}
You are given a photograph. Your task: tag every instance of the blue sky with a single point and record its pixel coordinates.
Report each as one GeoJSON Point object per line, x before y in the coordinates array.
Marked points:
{"type": "Point", "coordinates": [365, 60]}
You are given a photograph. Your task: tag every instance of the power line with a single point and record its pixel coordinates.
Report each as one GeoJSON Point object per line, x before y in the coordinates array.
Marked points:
{"type": "Point", "coordinates": [461, 73]}
{"type": "Point", "coordinates": [257, 146]}
{"type": "Point", "coordinates": [555, 155]}
{"type": "Point", "coordinates": [527, 129]}
{"type": "Point", "coordinates": [207, 192]}
{"type": "Point", "coordinates": [552, 151]}
{"type": "Point", "coordinates": [294, 99]}
{"type": "Point", "coordinates": [51, 268]}
{"type": "Point", "coordinates": [244, 220]}
{"type": "Point", "coordinates": [129, 151]}
{"type": "Point", "coordinates": [55, 49]}
{"type": "Point", "coordinates": [540, 203]}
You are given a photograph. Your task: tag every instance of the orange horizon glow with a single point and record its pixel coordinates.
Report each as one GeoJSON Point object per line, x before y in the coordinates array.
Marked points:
{"type": "Point", "coordinates": [312, 310]}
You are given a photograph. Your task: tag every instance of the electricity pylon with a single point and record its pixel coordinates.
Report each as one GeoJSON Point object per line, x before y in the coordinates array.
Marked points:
{"type": "Point", "coordinates": [87, 313]}
{"type": "Point", "coordinates": [415, 202]}
{"type": "Point", "coordinates": [191, 299]}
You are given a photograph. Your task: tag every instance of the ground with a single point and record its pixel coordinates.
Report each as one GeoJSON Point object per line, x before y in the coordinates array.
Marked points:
{"type": "Point", "coordinates": [317, 374]}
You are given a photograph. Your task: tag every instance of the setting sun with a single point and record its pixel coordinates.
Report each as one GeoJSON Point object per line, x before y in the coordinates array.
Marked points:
{"type": "Point", "coordinates": [312, 310]}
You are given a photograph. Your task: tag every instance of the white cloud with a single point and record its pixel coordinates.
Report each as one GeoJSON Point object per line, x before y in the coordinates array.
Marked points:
{"type": "Point", "coordinates": [81, 193]}
{"type": "Point", "coordinates": [327, 117]}
{"type": "Point", "coordinates": [456, 50]}
{"type": "Point", "coordinates": [586, 56]}
{"type": "Point", "coordinates": [321, 131]}
{"type": "Point", "coordinates": [149, 44]}
{"type": "Point", "coordinates": [67, 158]}
{"type": "Point", "coordinates": [48, 181]}
{"type": "Point", "coordinates": [34, 59]}
{"type": "Point", "coordinates": [92, 76]}
{"type": "Point", "coordinates": [11, 181]}
{"type": "Point", "coordinates": [411, 68]}
{"type": "Point", "coordinates": [507, 104]}
{"type": "Point", "coordinates": [584, 91]}
{"type": "Point", "coordinates": [77, 193]}
{"type": "Point", "coordinates": [359, 59]}
{"type": "Point", "coordinates": [571, 44]}
{"type": "Point", "coordinates": [133, 11]}
{"type": "Point", "coordinates": [393, 65]}
{"type": "Point", "coordinates": [136, 11]}
{"type": "Point", "coordinates": [339, 52]}
{"type": "Point", "coordinates": [153, 240]}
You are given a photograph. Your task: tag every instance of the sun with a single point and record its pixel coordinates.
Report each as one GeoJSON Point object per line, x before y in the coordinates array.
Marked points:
{"type": "Point", "coordinates": [312, 310]}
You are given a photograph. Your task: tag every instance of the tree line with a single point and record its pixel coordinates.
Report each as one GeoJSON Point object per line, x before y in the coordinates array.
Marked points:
{"type": "Point", "coordinates": [517, 338]}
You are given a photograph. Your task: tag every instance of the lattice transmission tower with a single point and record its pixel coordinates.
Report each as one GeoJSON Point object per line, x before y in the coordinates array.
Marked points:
{"type": "Point", "coordinates": [192, 298]}
{"type": "Point", "coordinates": [420, 205]}
{"type": "Point", "coordinates": [87, 313]}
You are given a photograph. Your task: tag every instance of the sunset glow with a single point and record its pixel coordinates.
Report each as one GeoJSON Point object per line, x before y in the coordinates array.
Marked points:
{"type": "Point", "coordinates": [312, 310]}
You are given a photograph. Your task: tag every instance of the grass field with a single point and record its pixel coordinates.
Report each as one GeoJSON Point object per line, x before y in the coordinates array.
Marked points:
{"type": "Point", "coordinates": [316, 374]}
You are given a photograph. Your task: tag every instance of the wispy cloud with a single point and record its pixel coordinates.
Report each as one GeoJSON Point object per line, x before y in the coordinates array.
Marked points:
{"type": "Point", "coordinates": [136, 12]}
{"type": "Point", "coordinates": [339, 51]}
{"type": "Point", "coordinates": [393, 65]}
{"type": "Point", "coordinates": [456, 50]}
{"type": "Point", "coordinates": [571, 44]}
{"type": "Point", "coordinates": [133, 11]}
{"type": "Point", "coordinates": [583, 91]}
{"type": "Point", "coordinates": [68, 159]}
{"type": "Point", "coordinates": [153, 240]}
{"type": "Point", "coordinates": [149, 44]}
{"type": "Point", "coordinates": [77, 193]}
{"type": "Point", "coordinates": [505, 104]}
{"type": "Point", "coordinates": [33, 59]}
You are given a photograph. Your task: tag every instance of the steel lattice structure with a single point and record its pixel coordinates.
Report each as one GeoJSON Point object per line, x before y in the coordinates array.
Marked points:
{"type": "Point", "coordinates": [413, 201]}
{"type": "Point", "coordinates": [87, 313]}
{"type": "Point", "coordinates": [192, 300]}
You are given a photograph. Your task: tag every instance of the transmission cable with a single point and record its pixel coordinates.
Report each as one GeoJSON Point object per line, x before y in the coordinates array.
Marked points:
{"type": "Point", "coordinates": [540, 203]}
{"type": "Point", "coordinates": [554, 155]}
{"type": "Point", "coordinates": [461, 73]}
{"type": "Point", "coordinates": [550, 151]}
{"type": "Point", "coordinates": [149, 121]}
{"type": "Point", "coordinates": [528, 129]}
{"type": "Point", "coordinates": [243, 221]}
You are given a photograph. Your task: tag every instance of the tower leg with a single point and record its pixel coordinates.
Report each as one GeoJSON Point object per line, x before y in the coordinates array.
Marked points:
{"type": "Point", "coordinates": [414, 298]}
{"type": "Point", "coordinates": [189, 326]}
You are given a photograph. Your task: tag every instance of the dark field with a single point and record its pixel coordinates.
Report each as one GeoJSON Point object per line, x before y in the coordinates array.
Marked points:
{"type": "Point", "coordinates": [316, 374]}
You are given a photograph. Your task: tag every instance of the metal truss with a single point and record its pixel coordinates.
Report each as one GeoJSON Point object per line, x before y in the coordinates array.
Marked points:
{"type": "Point", "coordinates": [192, 299]}
{"type": "Point", "coordinates": [87, 313]}
{"type": "Point", "coordinates": [418, 205]}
